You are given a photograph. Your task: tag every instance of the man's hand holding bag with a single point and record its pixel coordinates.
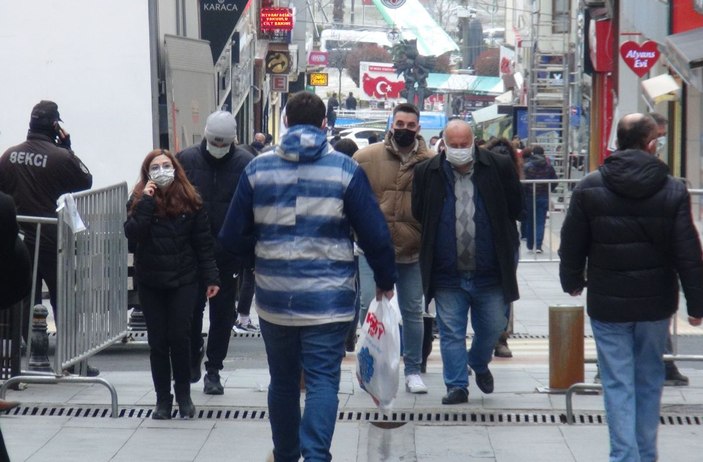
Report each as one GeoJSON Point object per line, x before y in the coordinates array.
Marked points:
{"type": "Point", "coordinates": [378, 352]}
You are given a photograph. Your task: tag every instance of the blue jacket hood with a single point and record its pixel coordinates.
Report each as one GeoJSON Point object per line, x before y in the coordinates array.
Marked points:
{"type": "Point", "coordinates": [303, 143]}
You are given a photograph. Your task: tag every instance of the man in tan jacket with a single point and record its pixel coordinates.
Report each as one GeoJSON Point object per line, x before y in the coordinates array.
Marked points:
{"type": "Point", "coordinates": [389, 167]}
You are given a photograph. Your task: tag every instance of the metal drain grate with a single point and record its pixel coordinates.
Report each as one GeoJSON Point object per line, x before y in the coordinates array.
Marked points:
{"type": "Point", "coordinates": [420, 417]}
{"type": "Point", "coordinates": [463, 418]}
{"type": "Point", "coordinates": [136, 412]}
{"type": "Point", "coordinates": [140, 335]}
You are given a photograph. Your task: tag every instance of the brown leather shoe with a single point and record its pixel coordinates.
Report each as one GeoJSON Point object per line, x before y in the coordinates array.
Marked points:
{"type": "Point", "coordinates": [7, 405]}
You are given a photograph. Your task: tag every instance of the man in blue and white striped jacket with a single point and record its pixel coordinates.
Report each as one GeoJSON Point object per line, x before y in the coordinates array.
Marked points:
{"type": "Point", "coordinates": [293, 213]}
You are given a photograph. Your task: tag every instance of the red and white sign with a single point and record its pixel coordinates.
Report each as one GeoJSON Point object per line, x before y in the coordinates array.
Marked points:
{"type": "Point", "coordinates": [639, 58]}
{"type": "Point", "coordinates": [318, 58]}
{"type": "Point", "coordinates": [279, 83]}
{"type": "Point", "coordinates": [276, 19]}
{"type": "Point", "coordinates": [380, 81]}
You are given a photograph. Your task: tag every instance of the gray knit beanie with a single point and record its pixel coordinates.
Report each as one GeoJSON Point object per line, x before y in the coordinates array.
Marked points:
{"type": "Point", "coordinates": [221, 127]}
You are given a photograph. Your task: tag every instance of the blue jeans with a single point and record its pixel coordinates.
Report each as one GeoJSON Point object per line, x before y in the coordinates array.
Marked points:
{"type": "Point", "coordinates": [318, 352]}
{"type": "Point", "coordinates": [487, 318]}
{"type": "Point", "coordinates": [410, 301]}
{"type": "Point", "coordinates": [534, 224]}
{"type": "Point", "coordinates": [632, 374]}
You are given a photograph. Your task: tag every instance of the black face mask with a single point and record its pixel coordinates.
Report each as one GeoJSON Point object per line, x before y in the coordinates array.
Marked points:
{"type": "Point", "coordinates": [404, 137]}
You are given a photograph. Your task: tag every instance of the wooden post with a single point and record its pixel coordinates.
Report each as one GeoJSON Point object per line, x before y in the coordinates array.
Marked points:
{"type": "Point", "coordinates": [566, 345]}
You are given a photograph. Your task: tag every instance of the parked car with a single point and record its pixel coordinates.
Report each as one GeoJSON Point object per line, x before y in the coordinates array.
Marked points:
{"type": "Point", "coordinates": [360, 135]}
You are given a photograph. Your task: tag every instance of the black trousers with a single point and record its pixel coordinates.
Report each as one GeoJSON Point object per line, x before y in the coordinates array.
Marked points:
{"type": "Point", "coordinates": [168, 314]}
{"type": "Point", "coordinates": [247, 286]}
{"type": "Point", "coordinates": [221, 321]}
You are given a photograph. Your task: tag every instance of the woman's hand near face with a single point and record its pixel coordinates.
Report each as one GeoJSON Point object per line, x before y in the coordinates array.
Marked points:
{"type": "Point", "coordinates": [212, 291]}
{"type": "Point", "coordinates": [150, 188]}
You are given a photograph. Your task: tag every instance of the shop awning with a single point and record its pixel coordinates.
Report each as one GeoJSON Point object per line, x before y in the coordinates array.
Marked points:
{"type": "Point", "coordinates": [660, 89]}
{"type": "Point", "coordinates": [486, 114]}
{"type": "Point", "coordinates": [685, 54]}
{"type": "Point", "coordinates": [413, 21]}
{"type": "Point", "coordinates": [465, 83]}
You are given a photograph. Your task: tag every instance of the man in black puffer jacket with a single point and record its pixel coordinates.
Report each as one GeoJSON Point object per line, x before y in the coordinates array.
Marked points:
{"type": "Point", "coordinates": [214, 167]}
{"type": "Point", "coordinates": [629, 225]}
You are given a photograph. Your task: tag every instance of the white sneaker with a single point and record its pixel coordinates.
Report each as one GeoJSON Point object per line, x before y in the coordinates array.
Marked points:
{"type": "Point", "coordinates": [245, 328]}
{"type": "Point", "coordinates": [414, 384]}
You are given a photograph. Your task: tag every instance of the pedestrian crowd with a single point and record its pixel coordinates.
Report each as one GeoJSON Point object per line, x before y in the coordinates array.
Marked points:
{"type": "Point", "coordinates": [317, 232]}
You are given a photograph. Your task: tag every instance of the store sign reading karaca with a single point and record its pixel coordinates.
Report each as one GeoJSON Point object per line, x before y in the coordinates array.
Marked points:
{"type": "Point", "coordinates": [640, 58]}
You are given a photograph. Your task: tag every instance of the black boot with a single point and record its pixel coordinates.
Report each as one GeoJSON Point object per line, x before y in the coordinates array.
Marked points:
{"type": "Point", "coordinates": [164, 407]}
{"type": "Point", "coordinates": [212, 384]}
{"type": "Point", "coordinates": [186, 409]}
{"type": "Point", "coordinates": [501, 349]}
{"type": "Point", "coordinates": [674, 378]}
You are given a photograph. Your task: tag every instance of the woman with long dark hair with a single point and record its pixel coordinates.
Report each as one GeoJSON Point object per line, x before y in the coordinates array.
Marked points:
{"type": "Point", "coordinates": [168, 227]}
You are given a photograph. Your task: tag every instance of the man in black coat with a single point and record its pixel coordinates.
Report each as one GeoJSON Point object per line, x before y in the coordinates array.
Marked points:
{"type": "Point", "coordinates": [350, 102]}
{"type": "Point", "coordinates": [214, 167]}
{"type": "Point", "coordinates": [629, 226]}
{"type": "Point", "coordinates": [35, 173]}
{"type": "Point", "coordinates": [332, 106]}
{"type": "Point", "coordinates": [467, 200]}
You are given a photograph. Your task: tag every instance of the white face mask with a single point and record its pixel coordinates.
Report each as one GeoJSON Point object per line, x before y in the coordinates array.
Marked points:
{"type": "Point", "coordinates": [217, 152]}
{"type": "Point", "coordinates": [163, 177]}
{"type": "Point", "coordinates": [459, 156]}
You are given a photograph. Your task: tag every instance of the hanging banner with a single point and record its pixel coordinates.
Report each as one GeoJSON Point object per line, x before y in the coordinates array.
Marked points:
{"type": "Point", "coordinates": [639, 58]}
{"type": "Point", "coordinates": [415, 22]}
{"type": "Point", "coordinates": [218, 18]}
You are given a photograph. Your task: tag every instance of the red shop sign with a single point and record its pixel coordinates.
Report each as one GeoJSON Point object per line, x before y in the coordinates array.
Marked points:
{"type": "Point", "coordinates": [276, 19]}
{"type": "Point", "coordinates": [640, 58]}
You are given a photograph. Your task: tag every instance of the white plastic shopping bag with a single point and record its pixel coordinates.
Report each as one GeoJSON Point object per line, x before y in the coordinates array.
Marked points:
{"type": "Point", "coordinates": [378, 353]}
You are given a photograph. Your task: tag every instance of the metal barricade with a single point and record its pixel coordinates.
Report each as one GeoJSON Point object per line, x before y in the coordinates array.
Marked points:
{"type": "Point", "coordinates": [558, 204]}
{"type": "Point", "coordinates": [91, 283]}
